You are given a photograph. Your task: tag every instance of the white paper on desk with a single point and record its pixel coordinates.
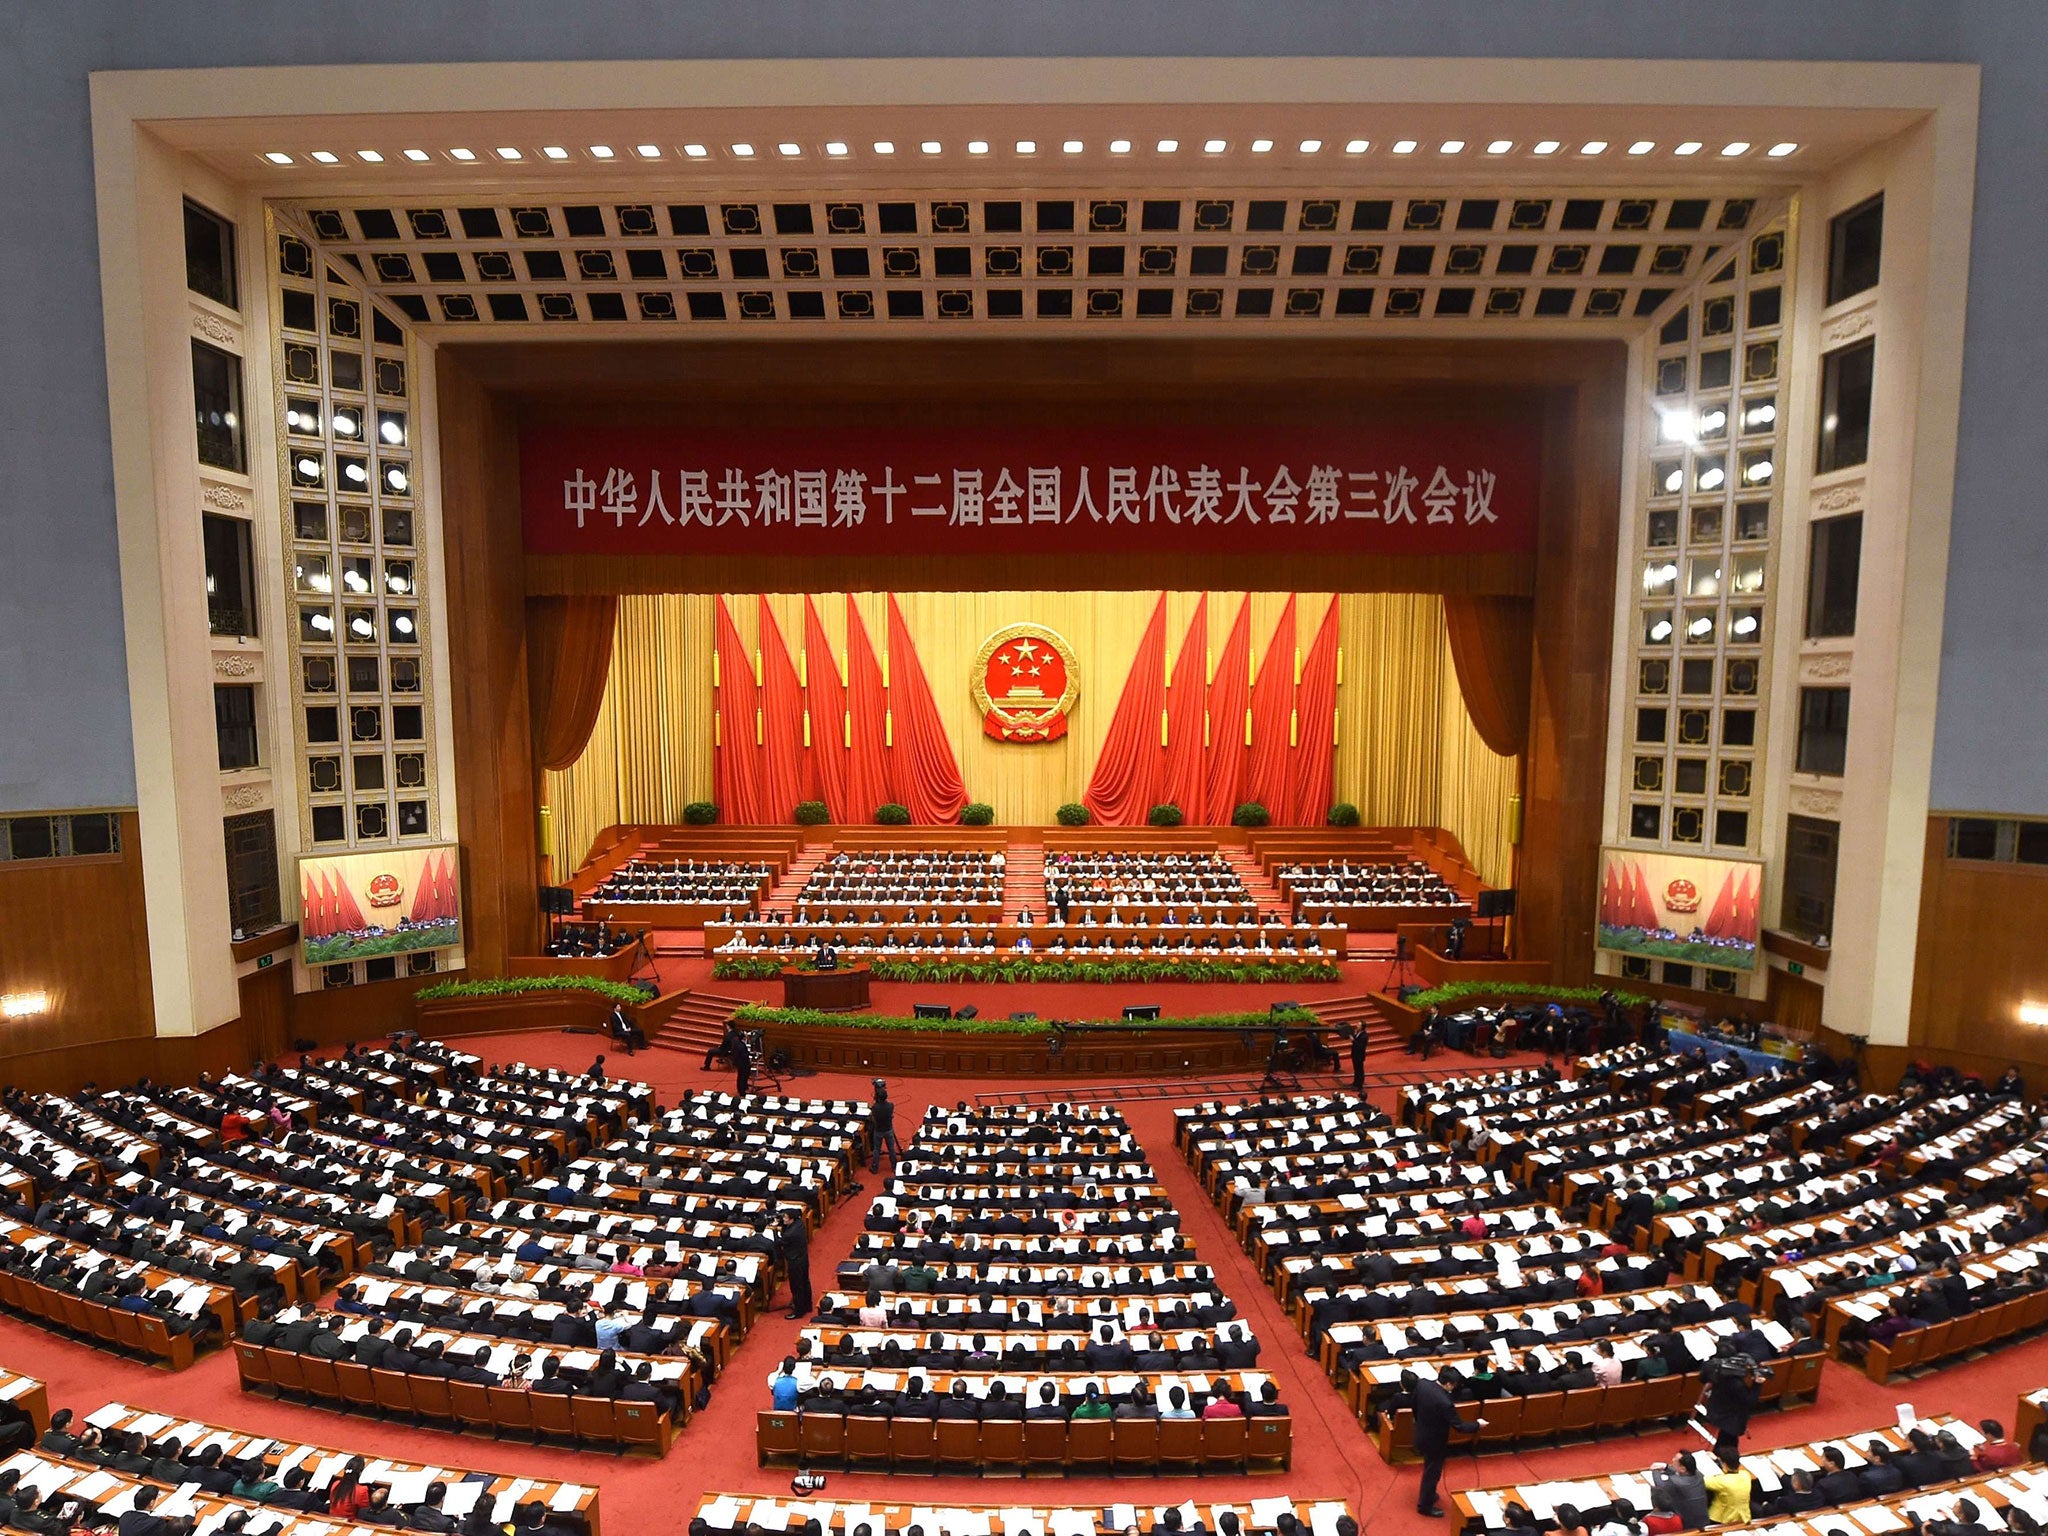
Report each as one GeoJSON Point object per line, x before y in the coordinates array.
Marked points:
{"type": "Point", "coordinates": [1123, 1517]}
{"type": "Point", "coordinates": [1018, 1522]}
{"type": "Point", "coordinates": [855, 1516]}
{"type": "Point", "coordinates": [93, 1485]}
{"type": "Point", "coordinates": [148, 1426]}
{"type": "Point", "coordinates": [408, 1488]}
{"type": "Point", "coordinates": [1071, 1522]}
{"type": "Point", "coordinates": [723, 1513]}
{"type": "Point", "coordinates": [1907, 1417]}
{"type": "Point", "coordinates": [1322, 1519]}
{"type": "Point", "coordinates": [1266, 1513]}
{"type": "Point", "coordinates": [1878, 1519]}
{"type": "Point", "coordinates": [769, 1515]}
{"type": "Point", "coordinates": [107, 1417]}
{"type": "Point", "coordinates": [506, 1502]}
{"type": "Point", "coordinates": [567, 1497]}
{"type": "Point", "coordinates": [461, 1498]}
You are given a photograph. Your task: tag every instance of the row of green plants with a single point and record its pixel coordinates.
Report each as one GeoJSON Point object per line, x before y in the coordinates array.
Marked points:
{"type": "Point", "coordinates": [760, 1016]}
{"type": "Point", "coordinates": [1530, 991]}
{"type": "Point", "coordinates": [979, 813]}
{"type": "Point", "coordinates": [992, 968]}
{"type": "Point", "coordinates": [513, 986]}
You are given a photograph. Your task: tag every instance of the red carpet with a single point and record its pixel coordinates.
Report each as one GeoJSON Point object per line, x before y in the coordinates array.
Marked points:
{"type": "Point", "coordinates": [1332, 1458]}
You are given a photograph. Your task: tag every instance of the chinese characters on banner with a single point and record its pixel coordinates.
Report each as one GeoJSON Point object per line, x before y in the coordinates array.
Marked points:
{"type": "Point", "coordinates": [1412, 488]}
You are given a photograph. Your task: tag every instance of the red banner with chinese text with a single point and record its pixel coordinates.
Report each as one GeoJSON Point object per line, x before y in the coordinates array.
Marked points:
{"type": "Point", "coordinates": [1376, 486]}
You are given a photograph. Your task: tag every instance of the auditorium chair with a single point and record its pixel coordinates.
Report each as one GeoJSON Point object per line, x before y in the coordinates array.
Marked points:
{"type": "Point", "coordinates": [249, 1366]}
{"type": "Point", "coordinates": [430, 1396]}
{"type": "Point", "coordinates": [1269, 1444]}
{"type": "Point", "coordinates": [552, 1416]}
{"type": "Point", "coordinates": [1002, 1443]}
{"type": "Point", "coordinates": [1622, 1407]}
{"type": "Point", "coordinates": [394, 1393]}
{"type": "Point", "coordinates": [1225, 1442]}
{"type": "Point", "coordinates": [641, 1424]}
{"type": "Point", "coordinates": [1045, 1444]}
{"type": "Point", "coordinates": [1542, 1415]}
{"type": "Point", "coordinates": [320, 1378]}
{"type": "Point", "coordinates": [1670, 1397]}
{"type": "Point", "coordinates": [512, 1408]}
{"type": "Point", "coordinates": [1135, 1443]}
{"type": "Point", "coordinates": [592, 1417]}
{"type": "Point", "coordinates": [867, 1441]}
{"type": "Point", "coordinates": [821, 1437]}
{"type": "Point", "coordinates": [1579, 1412]}
{"type": "Point", "coordinates": [914, 1442]}
{"type": "Point", "coordinates": [775, 1437]}
{"type": "Point", "coordinates": [1503, 1422]}
{"type": "Point", "coordinates": [470, 1402]}
{"type": "Point", "coordinates": [358, 1387]}
{"type": "Point", "coordinates": [959, 1447]}
{"type": "Point", "coordinates": [1088, 1444]}
{"type": "Point", "coordinates": [285, 1374]}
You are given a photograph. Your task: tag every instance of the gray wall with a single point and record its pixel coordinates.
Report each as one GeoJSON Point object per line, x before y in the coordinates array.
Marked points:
{"type": "Point", "coordinates": [64, 738]}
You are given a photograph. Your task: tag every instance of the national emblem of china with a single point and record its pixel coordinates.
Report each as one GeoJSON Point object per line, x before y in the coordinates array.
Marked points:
{"type": "Point", "coordinates": [1025, 680]}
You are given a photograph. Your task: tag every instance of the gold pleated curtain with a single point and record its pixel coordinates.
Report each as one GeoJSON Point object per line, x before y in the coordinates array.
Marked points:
{"type": "Point", "coordinates": [1407, 752]}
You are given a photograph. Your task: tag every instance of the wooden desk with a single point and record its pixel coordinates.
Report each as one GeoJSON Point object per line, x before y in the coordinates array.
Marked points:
{"type": "Point", "coordinates": [28, 1395]}
{"type": "Point", "coordinates": [839, 991]}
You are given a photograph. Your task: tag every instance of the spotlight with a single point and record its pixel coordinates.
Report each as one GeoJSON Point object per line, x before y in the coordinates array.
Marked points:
{"type": "Point", "coordinates": [395, 478]}
{"type": "Point", "coordinates": [1404, 146]}
{"type": "Point", "coordinates": [1661, 630]}
{"type": "Point", "coordinates": [1119, 146]}
{"type": "Point", "coordinates": [1780, 151]}
{"type": "Point", "coordinates": [1739, 147]}
{"type": "Point", "coordinates": [885, 147]}
{"type": "Point", "coordinates": [24, 1005]}
{"type": "Point", "coordinates": [1169, 146]}
{"type": "Point", "coordinates": [601, 151]}
{"type": "Point", "coordinates": [788, 150]}
{"type": "Point", "coordinates": [697, 151]}
{"type": "Point", "coordinates": [555, 152]}
{"type": "Point", "coordinates": [1548, 147]}
{"type": "Point", "coordinates": [418, 156]}
{"type": "Point", "coordinates": [1311, 146]}
{"type": "Point", "coordinates": [836, 148]}
{"type": "Point", "coordinates": [507, 152]}
{"type": "Point", "coordinates": [1689, 147]}
{"type": "Point", "coordinates": [1357, 146]}
{"type": "Point", "coordinates": [1072, 146]}
{"type": "Point", "coordinates": [402, 624]}
{"type": "Point", "coordinates": [370, 156]}
{"type": "Point", "coordinates": [1217, 146]}
{"type": "Point", "coordinates": [1642, 146]}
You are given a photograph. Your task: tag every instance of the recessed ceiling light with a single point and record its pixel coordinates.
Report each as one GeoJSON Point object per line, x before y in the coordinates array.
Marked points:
{"type": "Point", "coordinates": [506, 152]}
{"type": "Point", "coordinates": [1547, 146]}
{"type": "Point", "coordinates": [1780, 151]}
{"type": "Point", "coordinates": [1404, 146]}
{"type": "Point", "coordinates": [372, 156]}
{"type": "Point", "coordinates": [1451, 147]}
{"type": "Point", "coordinates": [743, 151]}
{"type": "Point", "coordinates": [1261, 146]}
{"type": "Point", "coordinates": [1689, 147]}
{"type": "Point", "coordinates": [600, 151]}
{"type": "Point", "coordinates": [417, 155]}
{"type": "Point", "coordinates": [647, 151]}
{"type": "Point", "coordinates": [1072, 146]}
{"type": "Point", "coordinates": [977, 146]}
{"type": "Point", "coordinates": [1739, 147]}
{"type": "Point", "coordinates": [278, 157]}
{"type": "Point", "coordinates": [1214, 146]}
{"type": "Point", "coordinates": [885, 146]}
{"type": "Point", "coordinates": [1357, 146]}
{"type": "Point", "coordinates": [555, 152]}
{"type": "Point", "coordinates": [835, 148]}
{"type": "Point", "coordinates": [1593, 147]}
{"type": "Point", "coordinates": [930, 146]}
{"type": "Point", "coordinates": [696, 151]}
{"type": "Point", "coordinates": [1642, 146]}
{"type": "Point", "coordinates": [1311, 146]}
{"type": "Point", "coordinates": [1169, 146]}
{"type": "Point", "coordinates": [1119, 146]}
{"type": "Point", "coordinates": [1027, 146]}
{"type": "Point", "coordinates": [1500, 146]}
{"type": "Point", "coordinates": [789, 150]}
{"type": "Point", "coordinates": [463, 154]}
{"type": "Point", "coordinates": [326, 157]}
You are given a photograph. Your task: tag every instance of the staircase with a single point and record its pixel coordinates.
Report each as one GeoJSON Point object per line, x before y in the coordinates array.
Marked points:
{"type": "Point", "coordinates": [1257, 883]}
{"type": "Point", "coordinates": [783, 893]}
{"type": "Point", "coordinates": [1382, 1039]}
{"type": "Point", "coordinates": [696, 1025]}
{"type": "Point", "coordinates": [1024, 878]}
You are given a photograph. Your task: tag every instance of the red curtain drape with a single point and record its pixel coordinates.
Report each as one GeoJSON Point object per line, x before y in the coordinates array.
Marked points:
{"type": "Point", "coordinates": [1315, 708]}
{"type": "Point", "coordinates": [1186, 699]}
{"type": "Point", "coordinates": [735, 775]}
{"type": "Point", "coordinates": [867, 704]}
{"type": "Point", "coordinates": [1129, 769]}
{"type": "Point", "coordinates": [1491, 639]}
{"type": "Point", "coordinates": [568, 660]}
{"type": "Point", "coordinates": [1268, 779]}
{"type": "Point", "coordinates": [825, 706]}
{"type": "Point", "coordinates": [785, 766]}
{"type": "Point", "coordinates": [1229, 693]}
{"type": "Point", "coordinates": [922, 769]}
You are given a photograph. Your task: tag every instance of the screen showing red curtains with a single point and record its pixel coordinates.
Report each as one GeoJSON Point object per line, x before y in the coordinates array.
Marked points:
{"type": "Point", "coordinates": [898, 750]}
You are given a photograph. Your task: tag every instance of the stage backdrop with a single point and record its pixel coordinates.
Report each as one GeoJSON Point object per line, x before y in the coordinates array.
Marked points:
{"type": "Point", "coordinates": [1407, 752]}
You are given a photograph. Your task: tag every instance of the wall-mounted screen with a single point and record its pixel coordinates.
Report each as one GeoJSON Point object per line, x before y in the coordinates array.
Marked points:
{"type": "Point", "coordinates": [358, 906]}
{"type": "Point", "coordinates": [1670, 906]}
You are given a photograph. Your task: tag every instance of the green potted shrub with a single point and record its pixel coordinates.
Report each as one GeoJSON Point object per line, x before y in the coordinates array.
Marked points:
{"type": "Point", "coordinates": [892, 815]}
{"type": "Point", "coordinates": [977, 813]}
{"type": "Point", "coordinates": [1164, 816]}
{"type": "Point", "coordinates": [700, 813]}
{"type": "Point", "coordinates": [1072, 814]}
{"type": "Point", "coordinates": [1343, 814]}
{"type": "Point", "coordinates": [1250, 814]}
{"type": "Point", "coordinates": [811, 813]}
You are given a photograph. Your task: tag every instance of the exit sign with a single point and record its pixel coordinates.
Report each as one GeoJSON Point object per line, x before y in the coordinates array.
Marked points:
{"type": "Point", "coordinates": [1795, 967]}
{"type": "Point", "coordinates": [263, 961]}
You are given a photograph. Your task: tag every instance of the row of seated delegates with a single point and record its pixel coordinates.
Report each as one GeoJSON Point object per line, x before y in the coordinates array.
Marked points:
{"type": "Point", "coordinates": [1949, 1274]}
{"type": "Point", "coordinates": [238, 1473]}
{"type": "Point", "coordinates": [687, 880]}
{"type": "Point", "coordinates": [1279, 1516]}
{"type": "Point", "coordinates": [1176, 879]}
{"type": "Point", "coordinates": [193, 1306]}
{"type": "Point", "coordinates": [1694, 1489]}
{"type": "Point", "coordinates": [587, 940]}
{"type": "Point", "coordinates": [1551, 1028]}
{"type": "Point", "coordinates": [1083, 1297]}
{"type": "Point", "coordinates": [754, 941]}
{"type": "Point", "coordinates": [1341, 883]}
{"type": "Point", "coordinates": [922, 876]}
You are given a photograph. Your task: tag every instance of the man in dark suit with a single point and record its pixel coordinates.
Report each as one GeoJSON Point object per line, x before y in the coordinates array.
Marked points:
{"type": "Point", "coordinates": [573, 1326]}
{"type": "Point", "coordinates": [796, 1256]}
{"type": "Point", "coordinates": [1358, 1048]}
{"type": "Point", "coordinates": [139, 1521]}
{"type": "Point", "coordinates": [1436, 1420]}
{"type": "Point", "coordinates": [1236, 1350]}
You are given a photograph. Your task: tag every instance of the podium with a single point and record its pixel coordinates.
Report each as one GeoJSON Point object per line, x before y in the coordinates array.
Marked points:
{"type": "Point", "coordinates": [839, 991]}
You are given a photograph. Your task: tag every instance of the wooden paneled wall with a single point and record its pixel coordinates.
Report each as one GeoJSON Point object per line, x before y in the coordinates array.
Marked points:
{"type": "Point", "coordinates": [1980, 955]}
{"type": "Point", "coordinates": [74, 928]}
